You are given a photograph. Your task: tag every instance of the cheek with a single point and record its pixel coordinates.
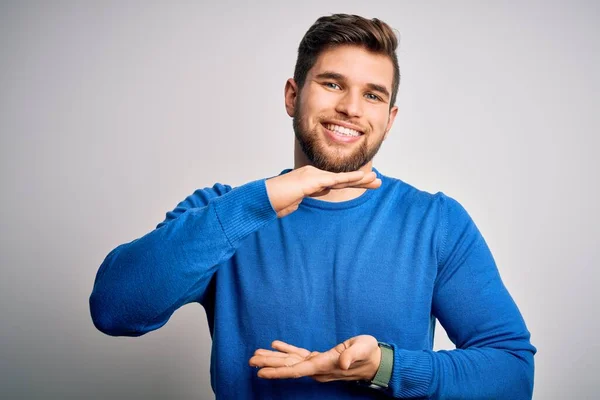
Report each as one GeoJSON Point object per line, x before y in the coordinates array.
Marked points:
{"type": "Point", "coordinates": [384, 122]}
{"type": "Point", "coordinates": [318, 102]}
{"type": "Point", "coordinates": [380, 121]}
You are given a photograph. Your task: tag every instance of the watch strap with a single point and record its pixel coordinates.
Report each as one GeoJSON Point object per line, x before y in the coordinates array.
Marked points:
{"type": "Point", "coordinates": [384, 373]}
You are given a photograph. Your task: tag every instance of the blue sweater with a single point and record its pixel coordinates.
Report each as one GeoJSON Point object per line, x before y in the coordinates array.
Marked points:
{"type": "Point", "coordinates": [387, 264]}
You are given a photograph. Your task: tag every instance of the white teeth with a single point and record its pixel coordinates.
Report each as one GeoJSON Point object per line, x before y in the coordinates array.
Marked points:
{"type": "Point", "coordinates": [342, 130]}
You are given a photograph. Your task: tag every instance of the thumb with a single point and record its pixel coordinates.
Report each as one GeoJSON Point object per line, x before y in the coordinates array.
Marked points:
{"type": "Point", "coordinates": [349, 355]}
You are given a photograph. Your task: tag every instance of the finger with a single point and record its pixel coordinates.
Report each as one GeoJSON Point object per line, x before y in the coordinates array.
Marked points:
{"type": "Point", "coordinates": [288, 348]}
{"type": "Point", "coordinates": [315, 363]}
{"type": "Point", "coordinates": [367, 179]}
{"type": "Point", "coordinates": [274, 361]}
{"type": "Point", "coordinates": [367, 185]}
{"type": "Point", "coordinates": [350, 177]}
{"type": "Point", "coordinates": [304, 368]}
{"type": "Point", "coordinates": [347, 358]}
{"type": "Point", "coordinates": [342, 177]}
{"type": "Point", "coordinates": [325, 181]}
{"type": "Point", "coordinates": [270, 353]}
{"type": "Point", "coordinates": [333, 179]}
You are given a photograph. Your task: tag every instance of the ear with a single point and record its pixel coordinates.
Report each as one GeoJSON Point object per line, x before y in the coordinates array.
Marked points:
{"type": "Point", "coordinates": [291, 96]}
{"type": "Point", "coordinates": [391, 119]}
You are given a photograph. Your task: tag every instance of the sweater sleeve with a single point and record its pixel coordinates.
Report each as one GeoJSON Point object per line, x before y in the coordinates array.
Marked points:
{"type": "Point", "coordinates": [140, 284]}
{"type": "Point", "coordinates": [493, 356]}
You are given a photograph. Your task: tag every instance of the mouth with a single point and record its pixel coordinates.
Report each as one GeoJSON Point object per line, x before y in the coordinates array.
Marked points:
{"type": "Point", "coordinates": [343, 132]}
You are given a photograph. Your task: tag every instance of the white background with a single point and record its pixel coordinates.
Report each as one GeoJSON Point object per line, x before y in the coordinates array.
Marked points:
{"type": "Point", "coordinates": [113, 112]}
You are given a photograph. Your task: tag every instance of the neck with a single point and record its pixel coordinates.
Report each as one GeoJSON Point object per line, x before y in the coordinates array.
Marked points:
{"type": "Point", "coordinates": [334, 195]}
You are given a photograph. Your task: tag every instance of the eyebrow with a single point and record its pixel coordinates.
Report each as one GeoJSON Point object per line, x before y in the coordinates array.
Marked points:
{"type": "Point", "coordinates": [339, 77]}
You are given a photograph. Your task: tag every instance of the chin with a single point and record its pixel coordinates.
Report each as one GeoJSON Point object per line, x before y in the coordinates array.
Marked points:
{"type": "Point", "coordinates": [332, 165]}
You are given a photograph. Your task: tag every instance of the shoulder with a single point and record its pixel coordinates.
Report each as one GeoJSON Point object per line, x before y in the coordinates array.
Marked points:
{"type": "Point", "coordinates": [410, 195]}
{"type": "Point", "coordinates": [402, 193]}
{"type": "Point", "coordinates": [437, 209]}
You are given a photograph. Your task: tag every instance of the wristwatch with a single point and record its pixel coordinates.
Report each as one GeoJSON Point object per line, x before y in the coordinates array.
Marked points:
{"type": "Point", "coordinates": [382, 378]}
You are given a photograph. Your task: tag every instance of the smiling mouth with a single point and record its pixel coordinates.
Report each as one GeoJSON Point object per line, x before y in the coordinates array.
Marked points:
{"type": "Point", "coordinates": [342, 131]}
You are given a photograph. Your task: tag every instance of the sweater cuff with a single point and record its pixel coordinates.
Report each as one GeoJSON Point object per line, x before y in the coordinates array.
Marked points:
{"type": "Point", "coordinates": [411, 376]}
{"type": "Point", "coordinates": [244, 210]}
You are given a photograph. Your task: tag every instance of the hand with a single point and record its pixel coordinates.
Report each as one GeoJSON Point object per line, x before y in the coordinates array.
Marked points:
{"type": "Point", "coordinates": [355, 359]}
{"type": "Point", "coordinates": [287, 191]}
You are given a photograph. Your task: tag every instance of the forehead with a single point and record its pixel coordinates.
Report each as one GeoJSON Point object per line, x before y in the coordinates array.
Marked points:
{"type": "Point", "coordinates": [357, 64]}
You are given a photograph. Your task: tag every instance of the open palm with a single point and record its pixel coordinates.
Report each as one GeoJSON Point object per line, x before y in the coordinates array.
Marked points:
{"type": "Point", "coordinates": [354, 359]}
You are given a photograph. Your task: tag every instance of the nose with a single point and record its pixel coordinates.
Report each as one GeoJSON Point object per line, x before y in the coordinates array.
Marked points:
{"type": "Point", "coordinates": [350, 104]}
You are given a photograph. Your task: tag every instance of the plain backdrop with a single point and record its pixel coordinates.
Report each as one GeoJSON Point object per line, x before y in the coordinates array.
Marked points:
{"type": "Point", "coordinates": [113, 112]}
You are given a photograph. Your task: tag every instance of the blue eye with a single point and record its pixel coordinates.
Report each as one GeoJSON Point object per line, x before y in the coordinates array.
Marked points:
{"type": "Point", "coordinates": [371, 96]}
{"type": "Point", "coordinates": [332, 85]}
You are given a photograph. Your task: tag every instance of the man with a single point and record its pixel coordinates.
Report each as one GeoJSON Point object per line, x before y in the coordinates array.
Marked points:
{"type": "Point", "coordinates": [341, 270]}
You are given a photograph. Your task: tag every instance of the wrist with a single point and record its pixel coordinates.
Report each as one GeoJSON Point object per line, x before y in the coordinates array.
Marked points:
{"type": "Point", "coordinates": [375, 362]}
{"type": "Point", "coordinates": [383, 375]}
{"type": "Point", "coordinates": [273, 189]}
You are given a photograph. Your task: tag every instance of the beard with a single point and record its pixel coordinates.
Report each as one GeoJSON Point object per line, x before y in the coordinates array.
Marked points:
{"type": "Point", "coordinates": [329, 158]}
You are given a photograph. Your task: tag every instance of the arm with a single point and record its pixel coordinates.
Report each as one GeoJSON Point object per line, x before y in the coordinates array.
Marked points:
{"type": "Point", "coordinates": [494, 358]}
{"type": "Point", "coordinates": [140, 284]}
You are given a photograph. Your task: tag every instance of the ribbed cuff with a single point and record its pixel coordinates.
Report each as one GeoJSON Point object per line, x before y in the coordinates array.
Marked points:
{"type": "Point", "coordinates": [244, 210]}
{"type": "Point", "coordinates": [411, 376]}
